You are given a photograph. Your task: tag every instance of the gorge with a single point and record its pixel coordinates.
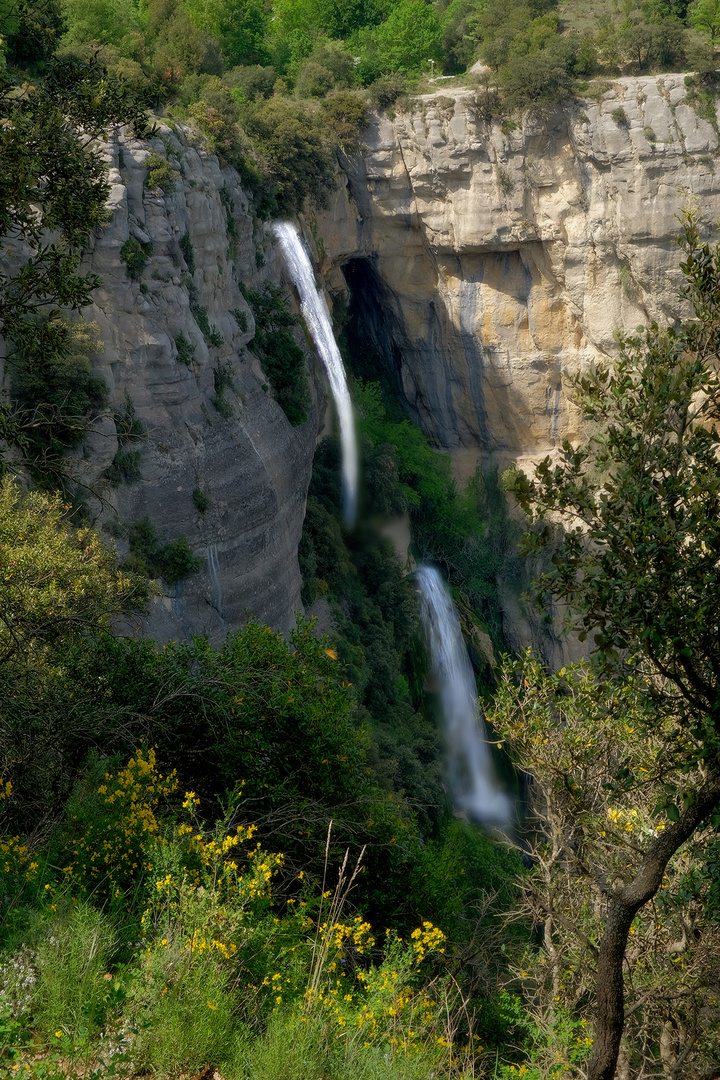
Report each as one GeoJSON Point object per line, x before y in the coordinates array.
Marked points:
{"type": "Point", "coordinates": [222, 701]}
{"type": "Point", "coordinates": [493, 265]}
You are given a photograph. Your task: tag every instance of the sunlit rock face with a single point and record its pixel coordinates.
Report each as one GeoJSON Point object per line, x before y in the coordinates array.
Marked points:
{"type": "Point", "coordinates": [245, 456]}
{"type": "Point", "coordinates": [498, 264]}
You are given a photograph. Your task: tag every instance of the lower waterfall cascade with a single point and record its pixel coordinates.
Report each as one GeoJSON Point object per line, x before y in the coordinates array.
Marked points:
{"type": "Point", "coordinates": [471, 779]}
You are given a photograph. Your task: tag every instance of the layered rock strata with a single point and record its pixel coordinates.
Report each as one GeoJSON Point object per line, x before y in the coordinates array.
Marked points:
{"type": "Point", "coordinates": [491, 265]}
{"type": "Point", "coordinates": [497, 263]}
{"type": "Point", "coordinates": [175, 347]}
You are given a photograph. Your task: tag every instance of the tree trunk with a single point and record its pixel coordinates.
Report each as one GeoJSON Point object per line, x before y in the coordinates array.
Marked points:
{"type": "Point", "coordinates": [624, 906]}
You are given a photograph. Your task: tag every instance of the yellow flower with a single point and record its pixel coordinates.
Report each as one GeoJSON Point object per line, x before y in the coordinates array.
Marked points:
{"type": "Point", "coordinates": [58, 1034]}
{"type": "Point", "coordinates": [211, 1006]}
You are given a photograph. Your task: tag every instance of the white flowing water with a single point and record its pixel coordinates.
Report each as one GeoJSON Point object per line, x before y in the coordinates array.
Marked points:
{"type": "Point", "coordinates": [472, 782]}
{"type": "Point", "coordinates": [318, 323]}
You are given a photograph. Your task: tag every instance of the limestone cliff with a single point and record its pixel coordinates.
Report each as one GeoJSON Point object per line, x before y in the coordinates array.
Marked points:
{"type": "Point", "coordinates": [252, 465]}
{"type": "Point", "coordinates": [490, 265]}
{"type": "Point", "coordinates": [495, 262]}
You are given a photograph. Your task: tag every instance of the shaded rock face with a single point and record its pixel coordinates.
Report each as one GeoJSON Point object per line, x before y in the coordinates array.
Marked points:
{"type": "Point", "coordinates": [237, 447]}
{"type": "Point", "coordinates": [494, 265]}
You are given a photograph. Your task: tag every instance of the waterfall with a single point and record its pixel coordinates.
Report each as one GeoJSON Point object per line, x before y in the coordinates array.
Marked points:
{"type": "Point", "coordinates": [318, 323]}
{"type": "Point", "coordinates": [471, 777]}
{"type": "Point", "coordinates": [214, 569]}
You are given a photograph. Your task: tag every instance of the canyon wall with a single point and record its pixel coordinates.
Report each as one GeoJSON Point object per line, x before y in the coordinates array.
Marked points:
{"type": "Point", "coordinates": [489, 264]}
{"type": "Point", "coordinates": [497, 263]}
{"type": "Point", "coordinates": [245, 457]}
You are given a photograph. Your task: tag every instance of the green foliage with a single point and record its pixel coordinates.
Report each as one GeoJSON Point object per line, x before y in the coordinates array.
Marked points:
{"type": "Point", "coordinates": [281, 357]}
{"type": "Point", "coordinates": [172, 562]}
{"type": "Point", "coordinates": [329, 65]}
{"type": "Point", "coordinates": [291, 139]}
{"type": "Point", "coordinates": [386, 90]}
{"type": "Point", "coordinates": [704, 15]}
{"type": "Point", "coordinates": [135, 256]}
{"type": "Point", "coordinates": [188, 253]}
{"type": "Point", "coordinates": [54, 580]}
{"type": "Point", "coordinates": [239, 26]}
{"type": "Point", "coordinates": [160, 173]}
{"type": "Point", "coordinates": [348, 117]}
{"type": "Point", "coordinates": [55, 394]}
{"type": "Point", "coordinates": [53, 184]}
{"type": "Point", "coordinates": [125, 467]}
{"type": "Point", "coordinates": [212, 335]}
{"type": "Point", "coordinates": [103, 21]}
{"type": "Point", "coordinates": [653, 522]}
{"type": "Point", "coordinates": [185, 350]}
{"type": "Point", "coordinates": [201, 499]}
{"type": "Point", "coordinates": [223, 380]}
{"type": "Point", "coordinates": [72, 948]}
{"type": "Point", "coordinates": [404, 42]}
{"type": "Point", "coordinates": [620, 117]}
{"type": "Point", "coordinates": [469, 533]}
{"type": "Point", "coordinates": [252, 81]}
{"type": "Point", "coordinates": [536, 79]}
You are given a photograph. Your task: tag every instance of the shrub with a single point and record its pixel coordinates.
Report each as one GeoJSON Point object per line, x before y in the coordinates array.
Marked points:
{"type": "Point", "coordinates": [185, 350]}
{"type": "Point", "coordinates": [212, 335]}
{"type": "Point", "coordinates": [348, 117]}
{"type": "Point", "coordinates": [385, 91]}
{"type": "Point", "coordinates": [135, 256]}
{"type": "Point", "coordinates": [188, 253]}
{"type": "Point", "coordinates": [282, 359]}
{"type": "Point", "coordinates": [72, 949]}
{"type": "Point", "coordinates": [201, 500]}
{"type": "Point", "coordinates": [160, 173]}
{"type": "Point", "coordinates": [172, 562]}
{"type": "Point", "coordinates": [125, 468]}
{"type": "Point", "coordinates": [291, 139]}
{"type": "Point", "coordinates": [536, 80]}
{"type": "Point", "coordinates": [620, 117]}
{"type": "Point", "coordinates": [55, 393]}
{"type": "Point", "coordinates": [253, 82]}
{"type": "Point", "coordinates": [505, 180]}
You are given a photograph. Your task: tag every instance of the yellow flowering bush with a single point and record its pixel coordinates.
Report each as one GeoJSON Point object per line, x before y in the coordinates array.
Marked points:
{"type": "Point", "coordinates": [384, 1006]}
{"type": "Point", "coordinates": [16, 863]}
{"type": "Point", "coordinates": [109, 851]}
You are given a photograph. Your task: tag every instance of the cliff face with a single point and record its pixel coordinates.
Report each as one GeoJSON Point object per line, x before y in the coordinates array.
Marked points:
{"type": "Point", "coordinates": [489, 265]}
{"type": "Point", "coordinates": [253, 466]}
{"type": "Point", "coordinates": [495, 264]}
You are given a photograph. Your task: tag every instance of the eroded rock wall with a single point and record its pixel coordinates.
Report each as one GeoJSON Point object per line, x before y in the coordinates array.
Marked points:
{"type": "Point", "coordinates": [505, 261]}
{"type": "Point", "coordinates": [251, 463]}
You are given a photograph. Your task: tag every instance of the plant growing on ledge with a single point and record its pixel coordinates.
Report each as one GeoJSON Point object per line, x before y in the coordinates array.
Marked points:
{"type": "Point", "coordinates": [281, 357]}
{"type": "Point", "coordinates": [172, 562]}
{"type": "Point", "coordinates": [135, 256]}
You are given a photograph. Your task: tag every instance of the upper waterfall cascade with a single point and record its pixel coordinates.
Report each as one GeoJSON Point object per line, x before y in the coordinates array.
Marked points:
{"type": "Point", "coordinates": [473, 785]}
{"type": "Point", "coordinates": [315, 313]}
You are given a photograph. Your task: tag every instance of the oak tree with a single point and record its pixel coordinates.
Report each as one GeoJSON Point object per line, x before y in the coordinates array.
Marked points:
{"type": "Point", "coordinates": [639, 564]}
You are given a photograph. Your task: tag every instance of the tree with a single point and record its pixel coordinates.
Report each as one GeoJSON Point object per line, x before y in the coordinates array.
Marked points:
{"type": "Point", "coordinates": [239, 26]}
{"type": "Point", "coordinates": [52, 194]}
{"type": "Point", "coordinates": [409, 37]}
{"type": "Point", "coordinates": [54, 580]}
{"type": "Point", "coordinates": [639, 564]}
{"type": "Point", "coordinates": [704, 16]}
{"type": "Point", "coordinates": [53, 189]}
{"type": "Point", "coordinates": [597, 755]}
